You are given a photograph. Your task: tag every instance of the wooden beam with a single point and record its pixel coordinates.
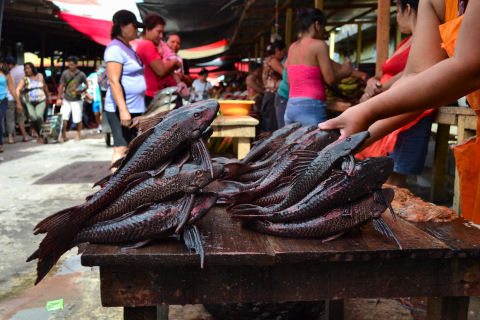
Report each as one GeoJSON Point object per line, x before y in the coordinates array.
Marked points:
{"type": "Point", "coordinates": [269, 10]}
{"type": "Point", "coordinates": [383, 33]}
{"type": "Point", "coordinates": [352, 20]}
{"type": "Point", "coordinates": [359, 43]}
{"type": "Point", "coordinates": [240, 21]}
{"type": "Point", "coordinates": [288, 27]}
{"type": "Point", "coordinates": [262, 48]}
{"type": "Point", "coordinates": [319, 4]}
{"type": "Point", "coordinates": [332, 45]}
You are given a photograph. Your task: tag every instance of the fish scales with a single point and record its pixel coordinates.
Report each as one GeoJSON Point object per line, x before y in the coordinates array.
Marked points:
{"type": "Point", "coordinates": [368, 175]}
{"type": "Point", "coordinates": [333, 223]}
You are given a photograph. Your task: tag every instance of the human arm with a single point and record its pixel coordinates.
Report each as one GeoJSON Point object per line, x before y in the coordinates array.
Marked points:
{"type": "Point", "coordinates": [253, 84]}
{"type": "Point", "coordinates": [114, 71]}
{"type": "Point", "coordinates": [430, 80]}
{"type": "Point", "coordinates": [332, 72]}
{"type": "Point", "coordinates": [163, 69]}
{"type": "Point", "coordinates": [61, 86]}
{"type": "Point", "coordinates": [276, 65]}
{"type": "Point", "coordinates": [13, 92]}
{"type": "Point", "coordinates": [45, 89]}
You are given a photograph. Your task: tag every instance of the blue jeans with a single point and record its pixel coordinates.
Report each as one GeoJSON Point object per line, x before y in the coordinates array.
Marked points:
{"type": "Point", "coordinates": [307, 111]}
{"type": "Point", "coordinates": [3, 110]}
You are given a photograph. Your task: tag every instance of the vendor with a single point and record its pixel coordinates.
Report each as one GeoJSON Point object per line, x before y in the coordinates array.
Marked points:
{"type": "Point", "coordinates": [443, 66]}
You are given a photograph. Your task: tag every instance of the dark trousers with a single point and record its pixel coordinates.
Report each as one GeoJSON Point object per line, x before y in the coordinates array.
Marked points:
{"type": "Point", "coordinates": [269, 118]}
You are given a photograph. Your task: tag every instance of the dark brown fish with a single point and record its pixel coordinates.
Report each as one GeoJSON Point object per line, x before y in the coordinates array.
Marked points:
{"type": "Point", "coordinates": [338, 220]}
{"type": "Point", "coordinates": [338, 188]}
{"type": "Point", "coordinates": [145, 153]}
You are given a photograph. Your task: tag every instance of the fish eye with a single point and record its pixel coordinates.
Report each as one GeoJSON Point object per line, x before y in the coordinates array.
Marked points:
{"type": "Point", "coordinates": [196, 115]}
{"type": "Point", "coordinates": [349, 139]}
{"type": "Point", "coordinates": [198, 173]}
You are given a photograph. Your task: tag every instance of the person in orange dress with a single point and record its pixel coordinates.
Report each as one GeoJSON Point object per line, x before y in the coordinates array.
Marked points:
{"type": "Point", "coordinates": [443, 66]}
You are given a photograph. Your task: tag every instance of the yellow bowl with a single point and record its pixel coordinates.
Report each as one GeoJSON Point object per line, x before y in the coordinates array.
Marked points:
{"type": "Point", "coordinates": [235, 107]}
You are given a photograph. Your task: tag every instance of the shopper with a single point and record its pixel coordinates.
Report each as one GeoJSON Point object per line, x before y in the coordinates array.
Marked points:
{"type": "Point", "coordinates": [201, 87]}
{"type": "Point", "coordinates": [255, 88]}
{"type": "Point", "coordinates": [14, 114]}
{"type": "Point", "coordinates": [36, 94]}
{"type": "Point", "coordinates": [309, 67]}
{"type": "Point", "coordinates": [158, 74]}
{"type": "Point", "coordinates": [126, 92]}
{"type": "Point", "coordinates": [93, 95]}
{"type": "Point", "coordinates": [6, 84]}
{"type": "Point", "coordinates": [73, 83]}
{"type": "Point", "coordinates": [272, 75]}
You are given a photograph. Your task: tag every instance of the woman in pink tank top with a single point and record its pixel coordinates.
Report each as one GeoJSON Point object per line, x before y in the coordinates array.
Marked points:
{"type": "Point", "coordinates": [308, 68]}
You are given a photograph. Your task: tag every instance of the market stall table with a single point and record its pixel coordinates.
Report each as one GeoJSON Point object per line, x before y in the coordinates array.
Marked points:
{"type": "Point", "coordinates": [438, 260]}
{"type": "Point", "coordinates": [241, 128]}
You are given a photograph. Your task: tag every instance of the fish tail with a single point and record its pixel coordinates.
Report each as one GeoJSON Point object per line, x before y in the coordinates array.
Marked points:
{"type": "Point", "coordinates": [243, 197]}
{"type": "Point", "coordinates": [61, 218]}
{"type": "Point", "coordinates": [247, 211]}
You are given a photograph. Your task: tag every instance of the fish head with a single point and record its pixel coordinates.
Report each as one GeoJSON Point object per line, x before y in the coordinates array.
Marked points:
{"type": "Point", "coordinates": [201, 116]}
{"type": "Point", "coordinates": [355, 141]}
{"type": "Point", "coordinates": [200, 177]}
{"type": "Point", "coordinates": [375, 170]}
{"type": "Point", "coordinates": [319, 139]}
{"type": "Point", "coordinates": [203, 203]}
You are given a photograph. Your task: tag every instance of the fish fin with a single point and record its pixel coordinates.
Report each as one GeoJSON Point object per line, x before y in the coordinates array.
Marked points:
{"type": "Point", "coordinates": [34, 255]}
{"type": "Point", "coordinates": [102, 182]}
{"type": "Point", "coordinates": [137, 245]}
{"type": "Point", "coordinates": [89, 197]}
{"type": "Point", "coordinates": [202, 150]}
{"type": "Point", "coordinates": [248, 211]}
{"type": "Point", "coordinates": [184, 160]}
{"type": "Point", "coordinates": [191, 237]}
{"type": "Point", "coordinates": [82, 247]}
{"type": "Point", "coordinates": [261, 137]}
{"type": "Point", "coordinates": [117, 163]}
{"type": "Point", "coordinates": [185, 212]}
{"type": "Point", "coordinates": [379, 197]}
{"type": "Point", "coordinates": [333, 237]}
{"type": "Point", "coordinates": [381, 226]}
{"type": "Point", "coordinates": [62, 217]}
{"type": "Point", "coordinates": [243, 197]}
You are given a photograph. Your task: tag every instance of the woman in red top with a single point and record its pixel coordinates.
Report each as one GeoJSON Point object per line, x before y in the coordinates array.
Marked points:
{"type": "Point", "coordinates": [407, 145]}
{"type": "Point", "coordinates": [158, 74]}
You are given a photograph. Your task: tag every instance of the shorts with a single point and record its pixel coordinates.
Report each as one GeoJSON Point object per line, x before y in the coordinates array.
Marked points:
{"type": "Point", "coordinates": [72, 107]}
{"type": "Point", "coordinates": [307, 111]}
{"type": "Point", "coordinates": [97, 106]}
{"type": "Point", "coordinates": [121, 135]}
{"type": "Point", "coordinates": [411, 148]}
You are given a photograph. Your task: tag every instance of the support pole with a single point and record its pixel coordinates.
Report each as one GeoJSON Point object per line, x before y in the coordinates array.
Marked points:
{"type": "Point", "coordinates": [332, 44]}
{"type": "Point", "coordinates": [42, 51]}
{"type": "Point", "coordinates": [256, 52]}
{"type": "Point", "coordinates": [288, 27]}
{"type": "Point", "coordinates": [2, 6]}
{"type": "Point", "coordinates": [359, 43]}
{"type": "Point", "coordinates": [383, 33]}
{"type": "Point", "coordinates": [319, 4]}
{"type": "Point", "coordinates": [398, 36]}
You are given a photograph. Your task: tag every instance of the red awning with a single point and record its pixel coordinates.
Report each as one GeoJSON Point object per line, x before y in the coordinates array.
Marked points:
{"type": "Point", "coordinates": [98, 30]}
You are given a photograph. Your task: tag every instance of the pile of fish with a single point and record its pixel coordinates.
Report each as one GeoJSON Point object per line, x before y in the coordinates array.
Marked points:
{"type": "Point", "coordinates": [304, 182]}
{"type": "Point", "coordinates": [156, 191]}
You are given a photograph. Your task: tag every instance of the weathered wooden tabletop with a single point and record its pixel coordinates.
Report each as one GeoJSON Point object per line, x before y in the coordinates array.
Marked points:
{"type": "Point", "coordinates": [437, 260]}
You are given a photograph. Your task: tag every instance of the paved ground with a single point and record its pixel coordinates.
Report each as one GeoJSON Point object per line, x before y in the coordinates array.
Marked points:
{"type": "Point", "coordinates": [38, 180]}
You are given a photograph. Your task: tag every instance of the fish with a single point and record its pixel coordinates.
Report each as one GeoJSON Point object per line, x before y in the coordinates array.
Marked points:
{"type": "Point", "coordinates": [368, 175]}
{"type": "Point", "coordinates": [146, 152]}
{"type": "Point", "coordinates": [312, 173]}
{"type": "Point", "coordinates": [267, 144]}
{"type": "Point", "coordinates": [155, 189]}
{"type": "Point", "coordinates": [332, 223]}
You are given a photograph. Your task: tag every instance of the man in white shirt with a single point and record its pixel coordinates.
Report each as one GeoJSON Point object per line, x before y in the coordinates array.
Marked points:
{"type": "Point", "coordinates": [201, 87]}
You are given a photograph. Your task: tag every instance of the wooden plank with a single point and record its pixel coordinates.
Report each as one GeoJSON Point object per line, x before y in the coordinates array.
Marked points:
{"type": "Point", "coordinates": [140, 313]}
{"type": "Point", "coordinates": [137, 285]}
{"type": "Point", "coordinates": [234, 121]}
{"type": "Point", "coordinates": [362, 245]}
{"type": "Point", "coordinates": [383, 33]}
{"type": "Point", "coordinates": [445, 118]}
{"type": "Point", "coordinates": [457, 110]}
{"type": "Point", "coordinates": [439, 175]}
{"type": "Point", "coordinates": [233, 131]}
{"type": "Point", "coordinates": [469, 122]}
{"type": "Point", "coordinates": [461, 235]}
{"type": "Point", "coordinates": [224, 241]}
{"type": "Point", "coordinates": [243, 147]}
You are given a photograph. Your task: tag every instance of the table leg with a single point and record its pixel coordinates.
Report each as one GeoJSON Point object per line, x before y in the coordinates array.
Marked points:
{"type": "Point", "coordinates": [243, 147]}
{"type": "Point", "coordinates": [447, 308]}
{"type": "Point", "coordinates": [334, 309]}
{"type": "Point", "coordinates": [439, 174]}
{"type": "Point", "coordinates": [140, 313]}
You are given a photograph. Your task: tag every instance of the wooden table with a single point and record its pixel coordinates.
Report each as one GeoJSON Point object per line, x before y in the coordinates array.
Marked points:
{"type": "Point", "coordinates": [466, 121]}
{"type": "Point", "coordinates": [440, 261]}
{"type": "Point", "coordinates": [241, 128]}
